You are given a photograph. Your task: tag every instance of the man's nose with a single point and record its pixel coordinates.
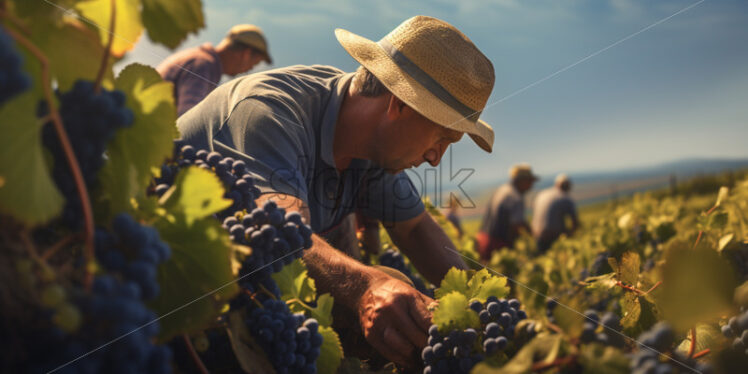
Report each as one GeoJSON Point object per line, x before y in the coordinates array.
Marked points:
{"type": "Point", "coordinates": [434, 155]}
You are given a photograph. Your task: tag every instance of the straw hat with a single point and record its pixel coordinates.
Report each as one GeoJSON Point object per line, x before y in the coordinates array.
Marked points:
{"type": "Point", "coordinates": [252, 36]}
{"type": "Point", "coordinates": [522, 171]}
{"type": "Point", "coordinates": [433, 68]}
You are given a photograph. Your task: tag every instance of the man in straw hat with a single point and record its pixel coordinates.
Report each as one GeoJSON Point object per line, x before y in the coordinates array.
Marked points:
{"type": "Point", "coordinates": [505, 217]}
{"type": "Point", "coordinates": [551, 209]}
{"type": "Point", "coordinates": [327, 143]}
{"type": "Point", "coordinates": [195, 72]}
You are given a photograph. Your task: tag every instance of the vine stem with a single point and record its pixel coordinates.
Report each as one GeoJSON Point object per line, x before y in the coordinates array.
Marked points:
{"type": "Point", "coordinates": [254, 299]}
{"type": "Point", "coordinates": [702, 353]}
{"type": "Point", "coordinates": [692, 347]}
{"type": "Point", "coordinates": [194, 355]}
{"type": "Point", "coordinates": [654, 287]}
{"type": "Point", "coordinates": [540, 366]}
{"type": "Point", "coordinates": [108, 49]}
{"type": "Point", "coordinates": [15, 21]}
{"type": "Point", "coordinates": [701, 232]}
{"type": "Point", "coordinates": [49, 252]}
{"type": "Point", "coordinates": [80, 184]}
{"type": "Point", "coordinates": [31, 248]}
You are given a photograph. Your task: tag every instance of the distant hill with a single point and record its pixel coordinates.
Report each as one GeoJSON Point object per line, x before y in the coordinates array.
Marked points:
{"type": "Point", "coordinates": [595, 186]}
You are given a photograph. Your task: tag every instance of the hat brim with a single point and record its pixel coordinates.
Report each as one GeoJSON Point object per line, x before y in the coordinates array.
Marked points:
{"type": "Point", "coordinates": [375, 59]}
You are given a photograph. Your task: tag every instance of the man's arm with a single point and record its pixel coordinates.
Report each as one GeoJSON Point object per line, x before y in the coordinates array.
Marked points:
{"type": "Point", "coordinates": [394, 317]}
{"type": "Point", "coordinates": [426, 245]}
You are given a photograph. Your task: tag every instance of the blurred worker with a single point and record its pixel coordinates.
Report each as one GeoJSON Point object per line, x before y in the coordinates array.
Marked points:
{"type": "Point", "coordinates": [550, 210]}
{"type": "Point", "coordinates": [505, 216]}
{"type": "Point", "coordinates": [452, 216]}
{"type": "Point", "coordinates": [195, 72]}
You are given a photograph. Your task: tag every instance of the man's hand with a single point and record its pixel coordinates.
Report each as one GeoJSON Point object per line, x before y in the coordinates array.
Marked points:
{"type": "Point", "coordinates": [395, 319]}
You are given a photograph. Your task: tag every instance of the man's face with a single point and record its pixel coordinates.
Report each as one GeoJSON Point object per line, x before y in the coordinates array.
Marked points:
{"type": "Point", "coordinates": [246, 61]}
{"type": "Point", "coordinates": [412, 140]}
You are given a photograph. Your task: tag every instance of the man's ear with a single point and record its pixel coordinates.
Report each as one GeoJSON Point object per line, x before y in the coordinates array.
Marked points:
{"type": "Point", "coordinates": [395, 108]}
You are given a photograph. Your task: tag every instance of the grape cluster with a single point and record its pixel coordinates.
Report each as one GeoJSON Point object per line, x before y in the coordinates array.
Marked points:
{"type": "Point", "coordinates": [90, 120]}
{"type": "Point", "coordinates": [610, 333]}
{"type": "Point", "coordinates": [737, 330]}
{"type": "Point", "coordinates": [12, 79]}
{"type": "Point", "coordinates": [393, 259]}
{"type": "Point", "coordinates": [600, 265]}
{"type": "Point", "coordinates": [660, 339]}
{"type": "Point", "coordinates": [233, 174]}
{"type": "Point", "coordinates": [291, 342]}
{"type": "Point", "coordinates": [459, 350]}
{"type": "Point", "coordinates": [119, 327]}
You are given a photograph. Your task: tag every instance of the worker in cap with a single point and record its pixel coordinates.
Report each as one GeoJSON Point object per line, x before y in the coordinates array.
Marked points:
{"type": "Point", "coordinates": [327, 144]}
{"type": "Point", "coordinates": [504, 218]}
{"type": "Point", "coordinates": [552, 208]}
{"type": "Point", "coordinates": [195, 72]}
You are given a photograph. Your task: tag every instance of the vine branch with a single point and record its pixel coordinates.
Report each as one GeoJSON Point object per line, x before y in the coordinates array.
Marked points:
{"type": "Point", "coordinates": [194, 355]}
{"type": "Point", "coordinates": [67, 148]}
{"type": "Point", "coordinates": [702, 353]}
{"type": "Point", "coordinates": [692, 347]}
{"type": "Point", "coordinates": [108, 49]}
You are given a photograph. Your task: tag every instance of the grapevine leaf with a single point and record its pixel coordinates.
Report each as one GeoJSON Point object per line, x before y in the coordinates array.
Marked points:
{"type": "Point", "coordinates": [27, 191]}
{"type": "Point", "coordinates": [323, 311]}
{"type": "Point", "coordinates": [127, 25]}
{"type": "Point", "coordinates": [483, 285]}
{"type": "Point", "coordinates": [696, 286]}
{"type": "Point", "coordinates": [707, 336]}
{"type": "Point", "coordinates": [453, 313]}
{"type": "Point", "coordinates": [532, 296]}
{"type": "Point", "coordinates": [136, 150]}
{"type": "Point", "coordinates": [65, 41]}
{"type": "Point", "coordinates": [631, 309]}
{"type": "Point", "coordinates": [169, 22]}
{"type": "Point", "coordinates": [741, 294]}
{"type": "Point", "coordinates": [567, 316]}
{"type": "Point", "coordinates": [717, 220]}
{"type": "Point", "coordinates": [542, 349]}
{"type": "Point", "coordinates": [627, 271]}
{"type": "Point", "coordinates": [196, 193]}
{"type": "Point", "coordinates": [250, 355]}
{"type": "Point", "coordinates": [200, 264]}
{"type": "Point", "coordinates": [294, 283]}
{"type": "Point", "coordinates": [599, 359]}
{"type": "Point", "coordinates": [722, 195]}
{"type": "Point", "coordinates": [455, 281]}
{"type": "Point", "coordinates": [601, 282]}
{"type": "Point", "coordinates": [331, 352]}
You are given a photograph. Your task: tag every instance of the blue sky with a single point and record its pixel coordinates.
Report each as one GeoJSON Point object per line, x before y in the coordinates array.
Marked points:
{"type": "Point", "coordinates": [677, 90]}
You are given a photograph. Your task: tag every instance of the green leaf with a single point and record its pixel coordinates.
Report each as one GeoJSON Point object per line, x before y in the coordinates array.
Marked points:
{"type": "Point", "coordinates": [455, 280]}
{"type": "Point", "coordinates": [27, 191]}
{"type": "Point", "coordinates": [294, 283]}
{"type": "Point", "coordinates": [196, 193]}
{"type": "Point", "coordinates": [631, 309]}
{"type": "Point", "coordinates": [722, 195]}
{"type": "Point", "coordinates": [136, 150]}
{"type": "Point", "coordinates": [627, 271]}
{"type": "Point", "coordinates": [72, 48]}
{"type": "Point", "coordinates": [542, 349]}
{"type": "Point", "coordinates": [200, 264]}
{"type": "Point", "coordinates": [331, 352]}
{"type": "Point", "coordinates": [741, 294]}
{"type": "Point", "coordinates": [601, 282]}
{"type": "Point", "coordinates": [250, 355]}
{"type": "Point", "coordinates": [717, 220]}
{"type": "Point", "coordinates": [599, 359]}
{"type": "Point", "coordinates": [453, 313]}
{"type": "Point", "coordinates": [127, 25]}
{"type": "Point", "coordinates": [323, 311]}
{"type": "Point", "coordinates": [483, 284]}
{"type": "Point", "coordinates": [696, 286]}
{"type": "Point", "coordinates": [725, 241]}
{"type": "Point", "coordinates": [707, 336]}
{"type": "Point", "coordinates": [169, 22]}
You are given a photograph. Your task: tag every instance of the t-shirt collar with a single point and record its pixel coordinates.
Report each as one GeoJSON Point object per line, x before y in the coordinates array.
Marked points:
{"type": "Point", "coordinates": [327, 129]}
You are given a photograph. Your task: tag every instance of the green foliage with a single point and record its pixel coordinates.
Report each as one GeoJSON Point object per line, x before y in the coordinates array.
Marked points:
{"type": "Point", "coordinates": [127, 25]}
{"type": "Point", "coordinates": [544, 349]}
{"type": "Point", "coordinates": [598, 359]}
{"type": "Point", "coordinates": [169, 22]}
{"type": "Point", "coordinates": [456, 280]}
{"type": "Point", "coordinates": [453, 313]}
{"type": "Point", "coordinates": [299, 291]}
{"type": "Point", "coordinates": [331, 352]}
{"type": "Point", "coordinates": [143, 147]}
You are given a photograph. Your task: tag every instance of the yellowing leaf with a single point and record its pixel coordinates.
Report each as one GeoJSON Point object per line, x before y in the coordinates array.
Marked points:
{"type": "Point", "coordinates": [483, 284]}
{"type": "Point", "coordinates": [455, 280]}
{"type": "Point", "coordinates": [198, 194]}
{"type": "Point", "coordinates": [453, 313]}
{"type": "Point", "coordinates": [724, 241]}
{"type": "Point", "coordinates": [127, 25]}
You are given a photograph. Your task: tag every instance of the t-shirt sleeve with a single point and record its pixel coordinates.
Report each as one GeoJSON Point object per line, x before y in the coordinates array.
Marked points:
{"type": "Point", "coordinates": [274, 150]}
{"type": "Point", "coordinates": [389, 198]}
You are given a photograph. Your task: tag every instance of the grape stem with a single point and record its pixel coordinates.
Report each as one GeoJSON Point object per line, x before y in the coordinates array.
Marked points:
{"type": "Point", "coordinates": [67, 149]}
{"type": "Point", "coordinates": [107, 50]}
{"type": "Point", "coordinates": [49, 252]}
{"type": "Point", "coordinates": [701, 232]}
{"type": "Point", "coordinates": [194, 355]}
{"type": "Point", "coordinates": [265, 290]}
{"type": "Point", "coordinates": [253, 297]}
{"type": "Point", "coordinates": [31, 248]}
{"type": "Point", "coordinates": [15, 21]}
{"type": "Point", "coordinates": [692, 347]}
{"type": "Point", "coordinates": [702, 353]}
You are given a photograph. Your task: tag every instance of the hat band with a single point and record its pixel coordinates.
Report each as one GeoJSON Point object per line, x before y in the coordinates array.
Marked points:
{"type": "Point", "coordinates": [426, 81]}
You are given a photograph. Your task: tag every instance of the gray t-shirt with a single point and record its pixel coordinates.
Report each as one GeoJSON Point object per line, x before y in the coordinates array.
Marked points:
{"type": "Point", "coordinates": [549, 211]}
{"type": "Point", "coordinates": [282, 123]}
{"type": "Point", "coordinates": [506, 208]}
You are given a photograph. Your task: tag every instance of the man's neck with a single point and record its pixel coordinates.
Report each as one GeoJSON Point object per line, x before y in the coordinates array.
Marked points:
{"type": "Point", "coordinates": [354, 128]}
{"type": "Point", "coordinates": [223, 57]}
